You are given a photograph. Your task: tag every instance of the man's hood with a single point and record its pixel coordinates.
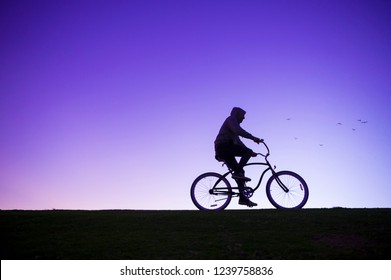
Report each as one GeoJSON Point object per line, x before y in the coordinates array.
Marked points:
{"type": "Point", "coordinates": [237, 113]}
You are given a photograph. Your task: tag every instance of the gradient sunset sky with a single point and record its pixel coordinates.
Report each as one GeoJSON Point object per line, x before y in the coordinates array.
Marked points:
{"type": "Point", "coordinates": [116, 104]}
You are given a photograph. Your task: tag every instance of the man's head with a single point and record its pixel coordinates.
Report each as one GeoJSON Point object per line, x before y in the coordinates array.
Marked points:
{"type": "Point", "coordinates": [238, 114]}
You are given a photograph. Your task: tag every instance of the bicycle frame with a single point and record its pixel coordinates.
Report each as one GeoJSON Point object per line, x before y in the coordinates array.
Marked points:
{"type": "Point", "coordinates": [217, 190]}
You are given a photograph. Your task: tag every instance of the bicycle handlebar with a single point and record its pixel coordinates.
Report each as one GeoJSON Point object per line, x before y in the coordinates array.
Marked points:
{"type": "Point", "coordinates": [267, 148]}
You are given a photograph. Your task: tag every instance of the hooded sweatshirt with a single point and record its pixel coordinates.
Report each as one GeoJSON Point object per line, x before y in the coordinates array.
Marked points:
{"type": "Point", "coordinates": [231, 130]}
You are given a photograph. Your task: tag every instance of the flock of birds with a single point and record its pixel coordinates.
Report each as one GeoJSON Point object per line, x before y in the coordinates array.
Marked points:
{"type": "Point", "coordinates": [361, 121]}
{"type": "Point", "coordinates": [339, 124]}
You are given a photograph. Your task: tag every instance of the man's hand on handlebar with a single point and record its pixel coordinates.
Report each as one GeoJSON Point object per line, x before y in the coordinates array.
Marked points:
{"type": "Point", "coordinates": [257, 140]}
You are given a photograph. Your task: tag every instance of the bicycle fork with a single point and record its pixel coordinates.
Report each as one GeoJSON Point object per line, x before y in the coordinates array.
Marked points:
{"type": "Point", "coordinates": [281, 184]}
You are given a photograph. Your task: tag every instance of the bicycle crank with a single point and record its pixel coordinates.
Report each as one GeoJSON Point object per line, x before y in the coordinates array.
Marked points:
{"type": "Point", "coordinates": [248, 192]}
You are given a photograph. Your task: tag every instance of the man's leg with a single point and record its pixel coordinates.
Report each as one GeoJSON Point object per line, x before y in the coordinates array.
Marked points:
{"type": "Point", "coordinates": [231, 163]}
{"type": "Point", "coordinates": [225, 152]}
{"type": "Point", "coordinates": [246, 155]}
{"type": "Point", "coordinates": [228, 152]}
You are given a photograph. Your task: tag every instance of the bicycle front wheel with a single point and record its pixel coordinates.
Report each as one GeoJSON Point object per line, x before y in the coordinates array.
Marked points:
{"type": "Point", "coordinates": [287, 190]}
{"type": "Point", "coordinates": [205, 197]}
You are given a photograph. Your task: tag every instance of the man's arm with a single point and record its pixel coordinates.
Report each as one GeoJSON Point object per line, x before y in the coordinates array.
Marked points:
{"type": "Point", "coordinates": [236, 129]}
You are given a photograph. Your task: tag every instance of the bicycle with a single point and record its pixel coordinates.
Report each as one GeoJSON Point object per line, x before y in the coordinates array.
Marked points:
{"type": "Point", "coordinates": [284, 189]}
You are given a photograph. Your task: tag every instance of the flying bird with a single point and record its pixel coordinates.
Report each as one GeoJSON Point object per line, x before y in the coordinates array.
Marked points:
{"type": "Point", "coordinates": [339, 123]}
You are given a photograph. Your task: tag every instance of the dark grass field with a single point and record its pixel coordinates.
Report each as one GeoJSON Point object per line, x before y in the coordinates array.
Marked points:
{"type": "Point", "coordinates": [322, 234]}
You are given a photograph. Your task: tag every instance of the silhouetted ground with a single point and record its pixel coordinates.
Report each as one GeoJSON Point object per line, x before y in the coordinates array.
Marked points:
{"type": "Point", "coordinates": [249, 234]}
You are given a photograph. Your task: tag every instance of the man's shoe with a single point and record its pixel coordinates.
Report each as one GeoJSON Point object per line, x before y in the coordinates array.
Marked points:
{"type": "Point", "coordinates": [247, 202]}
{"type": "Point", "coordinates": [240, 176]}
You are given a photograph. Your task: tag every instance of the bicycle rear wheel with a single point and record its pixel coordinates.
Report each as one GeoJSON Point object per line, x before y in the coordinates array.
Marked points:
{"type": "Point", "coordinates": [294, 196]}
{"type": "Point", "coordinates": [205, 197]}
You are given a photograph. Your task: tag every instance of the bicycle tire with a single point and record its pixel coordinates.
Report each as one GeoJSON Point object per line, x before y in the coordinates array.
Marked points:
{"type": "Point", "coordinates": [203, 199]}
{"type": "Point", "coordinates": [297, 194]}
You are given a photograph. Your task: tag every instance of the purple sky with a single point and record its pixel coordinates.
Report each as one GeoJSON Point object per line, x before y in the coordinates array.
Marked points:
{"type": "Point", "coordinates": [116, 104]}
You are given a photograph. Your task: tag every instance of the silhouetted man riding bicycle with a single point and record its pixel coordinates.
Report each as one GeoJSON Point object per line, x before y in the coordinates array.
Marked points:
{"type": "Point", "coordinates": [228, 146]}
